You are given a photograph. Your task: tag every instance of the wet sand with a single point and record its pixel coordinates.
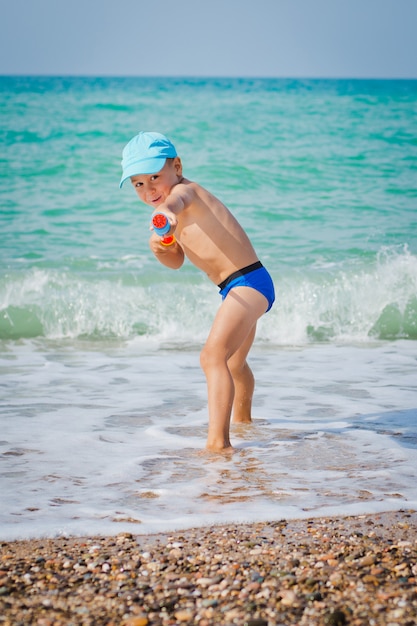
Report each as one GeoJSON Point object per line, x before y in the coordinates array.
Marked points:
{"type": "Point", "coordinates": [358, 570]}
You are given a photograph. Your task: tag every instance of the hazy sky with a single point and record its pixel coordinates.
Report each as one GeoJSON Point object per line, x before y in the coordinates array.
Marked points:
{"type": "Point", "coordinates": [288, 38]}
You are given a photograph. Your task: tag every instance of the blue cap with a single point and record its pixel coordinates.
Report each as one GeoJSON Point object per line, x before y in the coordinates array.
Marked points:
{"type": "Point", "coordinates": [146, 154]}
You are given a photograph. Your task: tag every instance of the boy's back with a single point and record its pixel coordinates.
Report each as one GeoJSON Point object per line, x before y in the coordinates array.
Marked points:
{"type": "Point", "coordinates": [210, 236]}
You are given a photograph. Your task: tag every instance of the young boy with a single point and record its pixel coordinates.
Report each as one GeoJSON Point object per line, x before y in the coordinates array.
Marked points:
{"type": "Point", "coordinates": [212, 239]}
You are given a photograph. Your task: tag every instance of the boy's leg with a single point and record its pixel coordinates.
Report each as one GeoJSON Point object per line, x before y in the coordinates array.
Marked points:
{"type": "Point", "coordinates": [244, 381]}
{"type": "Point", "coordinates": [232, 329]}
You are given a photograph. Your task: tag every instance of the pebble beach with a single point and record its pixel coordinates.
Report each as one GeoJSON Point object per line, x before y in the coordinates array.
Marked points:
{"type": "Point", "coordinates": [359, 570]}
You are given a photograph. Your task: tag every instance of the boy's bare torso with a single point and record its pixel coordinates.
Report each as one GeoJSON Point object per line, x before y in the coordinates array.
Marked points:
{"type": "Point", "coordinates": [210, 236]}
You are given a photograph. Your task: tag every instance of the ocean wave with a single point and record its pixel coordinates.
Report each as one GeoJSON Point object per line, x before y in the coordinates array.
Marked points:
{"type": "Point", "coordinates": [359, 302]}
{"type": "Point", "coordinates": [354, 302]}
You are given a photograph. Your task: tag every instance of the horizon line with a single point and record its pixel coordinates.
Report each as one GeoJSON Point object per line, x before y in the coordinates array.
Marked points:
{"type": "Point", "coordinates": [205, 76]}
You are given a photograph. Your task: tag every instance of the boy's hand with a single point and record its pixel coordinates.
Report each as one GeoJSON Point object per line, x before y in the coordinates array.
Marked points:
{"type": "Point", "coordinates": [170, 255]}
{"type": "Point", "coordinates": [155, 244]}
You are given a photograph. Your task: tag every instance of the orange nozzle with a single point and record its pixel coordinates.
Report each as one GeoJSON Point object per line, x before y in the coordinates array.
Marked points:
{"type": "Point", "coordinates": [168, 241]}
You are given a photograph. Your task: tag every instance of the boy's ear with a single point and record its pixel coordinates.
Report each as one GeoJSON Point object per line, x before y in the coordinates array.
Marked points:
{"type": "Point", "coordinates": [178, 166]}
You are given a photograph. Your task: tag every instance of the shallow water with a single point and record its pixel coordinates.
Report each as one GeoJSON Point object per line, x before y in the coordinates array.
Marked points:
{"type": "Point", "coordinates": [99, 441]}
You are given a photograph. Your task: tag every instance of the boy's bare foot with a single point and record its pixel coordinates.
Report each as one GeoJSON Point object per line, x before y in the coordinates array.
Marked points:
{"type": "Point", "coordinates": [220, 447]}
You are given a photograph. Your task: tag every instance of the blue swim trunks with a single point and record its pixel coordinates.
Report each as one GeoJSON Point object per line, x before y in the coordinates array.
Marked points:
{"type": "Point", "coordinates": [255, 276]}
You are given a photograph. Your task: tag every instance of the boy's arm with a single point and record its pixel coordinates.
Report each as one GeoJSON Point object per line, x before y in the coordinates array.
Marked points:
{"type": "Point", "coordinates": [180, 198]}
{"type": "Point", "coordinates": [171, 256]}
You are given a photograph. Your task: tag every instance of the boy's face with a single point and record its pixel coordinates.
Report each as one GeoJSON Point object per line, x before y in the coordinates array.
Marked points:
{"type": "Point", "coordinates": [153, 189]}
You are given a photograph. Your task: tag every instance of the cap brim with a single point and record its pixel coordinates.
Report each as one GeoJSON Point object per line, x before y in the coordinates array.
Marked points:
{"type": "Point", "coordinates": [145, 166]}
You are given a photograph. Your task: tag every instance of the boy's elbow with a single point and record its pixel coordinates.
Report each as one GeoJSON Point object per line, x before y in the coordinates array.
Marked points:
{"type": "Point", "coordinates": [178, 263]}
{"type": "Point", "coordinates": [175, 258]}
{"type": "Point", "coordinates": [169, 261]}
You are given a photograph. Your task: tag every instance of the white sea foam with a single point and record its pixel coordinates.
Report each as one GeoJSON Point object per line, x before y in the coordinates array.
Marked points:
{"type": "Point", "coordinates": [100, 441]}
{"type": "Point", "coordinates": [356, 302]}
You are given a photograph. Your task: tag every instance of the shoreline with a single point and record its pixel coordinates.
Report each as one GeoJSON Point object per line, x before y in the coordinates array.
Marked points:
{"type": "Point", "coordinates": [357, 570]}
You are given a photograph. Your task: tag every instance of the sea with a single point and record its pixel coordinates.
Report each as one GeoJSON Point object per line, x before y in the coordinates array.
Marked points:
{"type": "Point", "coordinates": [103, 406]}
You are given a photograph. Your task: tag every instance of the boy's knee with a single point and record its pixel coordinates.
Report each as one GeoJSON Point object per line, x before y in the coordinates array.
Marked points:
{"type": "Point", "coordinates": [210, 357]}
{"type": "Point", "coordinates": [205, 358]}
{"type": "Point", "coordinates": [240, 370]}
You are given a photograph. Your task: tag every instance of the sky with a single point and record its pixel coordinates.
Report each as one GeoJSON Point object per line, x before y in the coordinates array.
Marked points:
{"type": "Point", "coordinates": [249, 38]}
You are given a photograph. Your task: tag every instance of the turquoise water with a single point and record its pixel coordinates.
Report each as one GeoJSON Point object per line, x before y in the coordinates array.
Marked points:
{"type": "Point", "coordinates": [99, 344]}
{"type": "Point", "coordinates": [322, 174]}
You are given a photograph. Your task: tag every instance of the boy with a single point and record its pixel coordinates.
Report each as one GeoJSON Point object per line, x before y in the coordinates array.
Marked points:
{"type": "Point", "coordinates": [212, 239]}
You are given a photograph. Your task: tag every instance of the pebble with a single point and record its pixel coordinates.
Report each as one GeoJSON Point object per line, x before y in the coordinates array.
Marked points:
{"type": "Point", "coordinates": [355, 571]}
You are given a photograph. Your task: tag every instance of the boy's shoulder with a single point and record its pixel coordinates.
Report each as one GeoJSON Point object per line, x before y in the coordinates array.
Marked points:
{"type": "Point", "coordinates": [186, 183]}
{"type": "Point", "coordinates": [187, 187]}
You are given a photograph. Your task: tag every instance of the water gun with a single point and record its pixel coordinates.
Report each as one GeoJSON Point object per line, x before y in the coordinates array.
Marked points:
{"type": "Point", "coordinates": [161, 226]}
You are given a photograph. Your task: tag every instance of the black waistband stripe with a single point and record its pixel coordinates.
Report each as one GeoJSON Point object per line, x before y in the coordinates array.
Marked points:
{"type": "Point", "coordinates": [242, 272]}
